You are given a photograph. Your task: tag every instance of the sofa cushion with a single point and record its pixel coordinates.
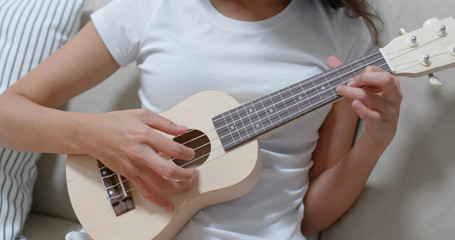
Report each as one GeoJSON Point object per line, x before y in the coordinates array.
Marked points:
{"type": "Point", "coordinates": [42, 227]}
{"type": "Point", "coordinates": [410, 194]}
{"type": "Point", "coordinates": [30, 30]}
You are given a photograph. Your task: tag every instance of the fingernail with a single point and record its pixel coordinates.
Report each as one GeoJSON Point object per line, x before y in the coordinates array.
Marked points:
{"type": "Point", "coordinates": [351, 83]}
{"type": "Point", "coordinates": [194, 175]}
{"type": "Point", "coordinates": [339, 89]}
{"type": "Point", "coordinates": [168, 207]}
{"type": "Point", "coordinates": [181, 128]}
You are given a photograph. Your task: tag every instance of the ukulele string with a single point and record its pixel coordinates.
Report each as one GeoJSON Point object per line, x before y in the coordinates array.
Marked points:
{"type": "Point", "coordinates": [122, 194]}
{"type": "Point", "coordinates": [315, 96]}
{"type": "Point", "coordinates": [196, 159]}
{"type": "Point", "coordinates": [406, 51]}
{"type": "Point", "coordinates": [291, 106]}
{"type": "Point", "coordinates": [193, 139]}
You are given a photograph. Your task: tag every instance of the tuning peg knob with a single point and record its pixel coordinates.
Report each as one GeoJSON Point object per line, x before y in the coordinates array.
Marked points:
{"type": "Point", "coordinates": [401, 31]}
{"type": "Point", "coordinates": [452, 50]}
{"type": "Point", "coordinates": [430, 22]}
{"type": "Point", "coordinates": [434, 81]}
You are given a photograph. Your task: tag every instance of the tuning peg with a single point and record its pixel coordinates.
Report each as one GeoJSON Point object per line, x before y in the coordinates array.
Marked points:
{"type": "Point", "coordinates": [401, 31]}
{"type": "Point", "coordinates": [430, 22]}
{"type": "Point", "coordinates": [452, 50]}
{"type": "Point", "coordinates": [434, 81]}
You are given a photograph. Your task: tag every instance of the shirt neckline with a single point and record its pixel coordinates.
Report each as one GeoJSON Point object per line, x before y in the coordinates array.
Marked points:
{"type": "Point", "coordinates": [239, 25]}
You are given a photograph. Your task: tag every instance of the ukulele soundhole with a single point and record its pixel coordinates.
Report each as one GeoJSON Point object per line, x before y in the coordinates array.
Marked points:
{"type": "Point", "coordinates": [198, 141]}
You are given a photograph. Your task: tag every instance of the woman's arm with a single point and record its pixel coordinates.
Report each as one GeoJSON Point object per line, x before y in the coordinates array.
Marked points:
{"type": "Point", "coordinates": [126, 141]}
{"type": "Point", "coordinates": [340, 172]}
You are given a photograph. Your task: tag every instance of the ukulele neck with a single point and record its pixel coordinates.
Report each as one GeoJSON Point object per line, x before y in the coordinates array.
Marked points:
{"type": "Point", "coordinates": [260, 116]}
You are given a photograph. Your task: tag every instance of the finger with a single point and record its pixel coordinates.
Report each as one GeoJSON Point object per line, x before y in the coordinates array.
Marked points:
{"type": "Point", "coordinates": [171, 148]}
{"type": "Point", "coordinates": [168, 169]}
{"type": "Point", "coordinates": [364, 112]}
{"type": "Point", "coordinates": [151, 195]}
{"type": "Point", "coordinates": [373, 69]}
{"type": "Point", "coordinates": [381, 79]}
{"type": "Point", "coordinates": [160, 123]}
{"type": "Point", "coordinates": [158, 182]}
{"type": "Point", "coordinates": [368, 98]}
{"type": "Point", "coordinates": [333, 62]}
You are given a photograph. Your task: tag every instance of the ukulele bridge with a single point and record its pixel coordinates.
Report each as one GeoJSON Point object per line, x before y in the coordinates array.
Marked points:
{"type": "Point", "coordinates": [117, 190]}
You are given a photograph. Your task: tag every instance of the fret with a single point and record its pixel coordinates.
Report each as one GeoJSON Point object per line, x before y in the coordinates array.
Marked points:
{"type": "Point", "coordinates": [220, 125]}
{"type": "Point", "coordinates": [291, 89]}
{"type": "Point", "coordinates": [271, 111]}
{"type": "Point", "coordinates": [322, 88]}
{"type": "Point", "coordinates": [330, 81]}
{"type": "Point", "coordinates": [226, 138]}
{"type": "Point", "coordinates": [327, 91]}
{"type": "Point", "coordinates": [264, 121]}
{"type": "Point", "coordinates": [231, 126]}
{"type": "Point", "coordinates": [366, 63]}
{"type": "Point", "coordinates": [352, 70]}
{"type": "Point", "coordinates": [334, 79]}
{"type": "Point", "coordinates": [257, 123]}
{"type": "Point", "coordinates": [357, 67]}
{"type": "Point", "coordinates": [275, 109]}
{"type": "Point", "coordinates": [222, 130]}
{"type": "Point", "coordinates": [279, 107]}
{"type": "Point", "coordinates": [237, 121]}
{"type": "Point", "coordinates": [307, 97]}
{"type": "Point", "coordinates": [248, 127]}
{"type": "Point", "coordinates": [242, 128]}
{"type": "Point", "coordinates": [377, 60]}
{"type": "Point", "coordinates": [253, 117]}
{"type": "Point", "coordinates": [311, 93]}
{"type": "Point", "coordinates": [373, 59]}
{"type": "Point", "coordinates": [300, 97]}
{"type": "Point", "coordinates": [289, 103]}
{"type": "Point", "coordinates": [346, 73]}
{"type": "Point", "coordinates": [314, 92]}
{"type": "Point", "coordinates": [264, 116]}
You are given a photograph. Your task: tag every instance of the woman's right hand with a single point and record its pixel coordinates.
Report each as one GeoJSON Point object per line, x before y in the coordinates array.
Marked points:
{"type": "Point", "coordinates": [128, 143]}
{"type": "Point", "coordinates": [125, 141]}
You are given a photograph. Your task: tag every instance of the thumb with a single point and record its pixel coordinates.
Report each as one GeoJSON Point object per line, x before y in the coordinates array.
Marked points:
{"type": "Point", "coordinates": [333, 62]}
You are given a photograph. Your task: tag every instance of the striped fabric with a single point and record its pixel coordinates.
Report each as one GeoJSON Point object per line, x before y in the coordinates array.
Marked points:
{"type": "Point", "coordinates": [30, 30]}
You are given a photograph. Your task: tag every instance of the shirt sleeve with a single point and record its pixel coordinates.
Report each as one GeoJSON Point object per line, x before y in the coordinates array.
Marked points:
{"type": "Point", "coordinates": [121, 25]}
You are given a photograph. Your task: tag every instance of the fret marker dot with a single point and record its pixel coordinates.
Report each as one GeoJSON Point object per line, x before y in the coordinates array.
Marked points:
{"type": "Point", "coordinates": [111, 192]}
{"type": "Point", "coordinates": [104, 172]}
{"type": "Point", "coordinates": [232, 127]}
{"type": "Point", "coordinates": [271, 110]}
{"type": "Point", "coordinates": [322, 87]}
{"type": "Point", "coordinates": [300, 97]}
{"type": "Point", "coordinates": [257, 125]}
{"type": "Point", "coordinates": [251, 110]}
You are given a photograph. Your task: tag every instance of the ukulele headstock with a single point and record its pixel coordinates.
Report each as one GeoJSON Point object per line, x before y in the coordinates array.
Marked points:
{"type": "Point", "coordinates": [423, 51]}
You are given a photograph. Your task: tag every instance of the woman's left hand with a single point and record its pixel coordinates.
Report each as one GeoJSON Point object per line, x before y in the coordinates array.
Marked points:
{"type": "Point", "coordinates": [376, 99]}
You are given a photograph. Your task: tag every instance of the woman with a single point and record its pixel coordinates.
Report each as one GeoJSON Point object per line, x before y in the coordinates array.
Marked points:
{"type": "Point", "coordinates": [245, 48]}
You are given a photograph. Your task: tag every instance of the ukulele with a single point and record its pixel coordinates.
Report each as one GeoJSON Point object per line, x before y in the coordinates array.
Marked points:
{"type": "Point", "coordinates": [225, 138]}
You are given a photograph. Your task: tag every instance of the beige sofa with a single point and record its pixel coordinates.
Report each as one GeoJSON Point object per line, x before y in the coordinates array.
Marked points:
{"type": "Point", "coordinates": [410, 194]}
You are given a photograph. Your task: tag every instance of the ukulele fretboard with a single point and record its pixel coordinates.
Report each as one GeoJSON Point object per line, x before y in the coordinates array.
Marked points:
{"type": "Point", "coordinates": [257, 117]}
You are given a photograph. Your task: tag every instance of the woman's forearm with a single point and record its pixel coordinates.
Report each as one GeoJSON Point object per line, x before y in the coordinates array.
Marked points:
{"type": "Point", "coordinates": [27, 126]}
{"type": "Point", "coordinates": [333, 192]}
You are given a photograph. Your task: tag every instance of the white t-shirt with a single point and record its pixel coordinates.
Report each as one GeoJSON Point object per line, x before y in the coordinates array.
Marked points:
{"type": "Point", "coordinates": [184, 47]}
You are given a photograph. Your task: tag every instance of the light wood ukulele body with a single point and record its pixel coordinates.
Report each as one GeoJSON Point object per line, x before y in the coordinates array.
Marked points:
{"type": "Point", "coordinates": [222, 177]}
{"type": "Point", "coordinates": [226, 140]}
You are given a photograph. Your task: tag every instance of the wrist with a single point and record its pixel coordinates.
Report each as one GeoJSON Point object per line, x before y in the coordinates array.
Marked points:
{"type": "Point", "coordinates": [374, 144]}
{"type": "Point", "coordinates": [80, 128]}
